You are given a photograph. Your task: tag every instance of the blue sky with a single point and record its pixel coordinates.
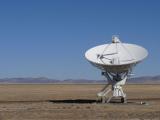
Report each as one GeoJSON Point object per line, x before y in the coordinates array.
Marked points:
{"type": "Point", "coordinates": [49, 37]}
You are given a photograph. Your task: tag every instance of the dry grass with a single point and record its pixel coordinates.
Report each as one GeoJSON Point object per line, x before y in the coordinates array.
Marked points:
{"type": "Point", "coordinates": [38, 102]}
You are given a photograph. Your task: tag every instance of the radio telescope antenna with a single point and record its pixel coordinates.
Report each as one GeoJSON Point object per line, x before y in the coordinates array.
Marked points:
{"type": "Point", "coordinates": [116, 61]}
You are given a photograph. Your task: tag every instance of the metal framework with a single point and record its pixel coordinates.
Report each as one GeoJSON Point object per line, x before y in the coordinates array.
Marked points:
{"type": "Point", "coordinates": [116, 80]}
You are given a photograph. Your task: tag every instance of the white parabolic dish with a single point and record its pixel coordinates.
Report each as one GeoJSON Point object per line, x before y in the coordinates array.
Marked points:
{"type": "Point", "coordinates": [116, 56]}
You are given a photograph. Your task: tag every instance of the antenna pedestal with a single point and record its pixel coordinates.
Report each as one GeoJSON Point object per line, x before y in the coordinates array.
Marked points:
{"type": "Point", "coordinates": [115, 80]}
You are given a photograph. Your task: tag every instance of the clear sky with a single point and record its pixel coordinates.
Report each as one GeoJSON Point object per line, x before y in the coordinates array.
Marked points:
{"type": "Point", "coordinates": [49, 37]}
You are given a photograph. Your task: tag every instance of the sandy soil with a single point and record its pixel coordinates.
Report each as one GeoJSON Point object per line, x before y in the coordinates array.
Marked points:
{"type": "Point", "coordinates": [76, 102]}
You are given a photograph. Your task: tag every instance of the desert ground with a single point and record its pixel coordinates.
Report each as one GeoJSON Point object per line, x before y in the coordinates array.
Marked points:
{"type": "Point", "coordinates": [76, 102]}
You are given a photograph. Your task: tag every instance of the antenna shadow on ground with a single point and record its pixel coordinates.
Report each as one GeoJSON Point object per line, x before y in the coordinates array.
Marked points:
{"type": "Point", "coordinates": [77, 101]}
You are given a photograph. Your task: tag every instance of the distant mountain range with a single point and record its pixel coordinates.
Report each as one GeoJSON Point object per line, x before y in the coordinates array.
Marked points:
{"type": "Point", "coordinates": [138, 80]}
{"type": "Point", "coordinates": [146, 80]}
